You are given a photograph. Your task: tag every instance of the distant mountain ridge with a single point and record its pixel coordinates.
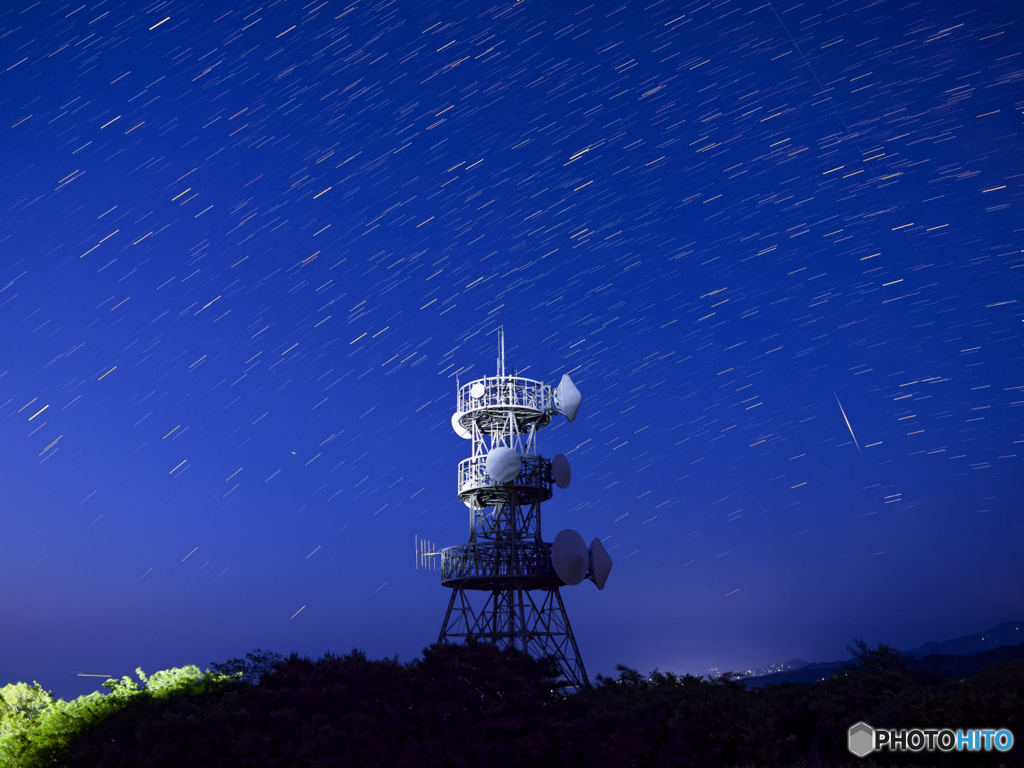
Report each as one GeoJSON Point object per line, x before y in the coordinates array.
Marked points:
{"type": "Point", "coordinates": [1010, 633]}
{"type": "Point", "coordinates": [961, 656]}
{"type": "Point", "coordinates": [965, 666]}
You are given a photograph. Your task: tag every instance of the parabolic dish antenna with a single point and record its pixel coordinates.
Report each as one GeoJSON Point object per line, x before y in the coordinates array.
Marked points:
{"type": "Point", "coordinates": [570, 557]}
{"type": "Point", "coordinates": [460, 430]}
{"type": "Point", "coordinates": [561, 472]}
{"type": "Point", "coordinates": [600, 563]}
{"type": "Point", "coordinates": [567, 398]}
{"type": "Point", "coordinates": [503, 464]}
{"type": "Point", "coordinates": [476, 390]}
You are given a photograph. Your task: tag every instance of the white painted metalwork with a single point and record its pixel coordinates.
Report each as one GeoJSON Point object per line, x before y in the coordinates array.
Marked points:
{"type": "Point", "coordinates": [569, 557]}
{"type": "Point", "coordinates": [561, 471]}
{"type": "Point", "coordinates": [503, 483]}
{"type": "Point", "coordinates": [600, 563]}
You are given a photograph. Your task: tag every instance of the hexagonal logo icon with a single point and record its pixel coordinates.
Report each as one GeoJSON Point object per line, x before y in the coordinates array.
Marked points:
{"type": "Point", "coordinates": [861, 739]}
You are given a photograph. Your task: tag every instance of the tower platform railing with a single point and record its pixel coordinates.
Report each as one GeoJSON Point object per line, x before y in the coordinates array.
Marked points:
{"type": "Point", "coordinates": [494, 564]}
{"type": "Point", "coordinates": [532, 484]}
{"type": "Point", "coordinates": [531, 401]}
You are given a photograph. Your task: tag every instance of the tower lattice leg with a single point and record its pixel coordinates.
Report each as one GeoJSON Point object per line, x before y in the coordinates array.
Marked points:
{"type": "Point", "coordinates": [511, 618]}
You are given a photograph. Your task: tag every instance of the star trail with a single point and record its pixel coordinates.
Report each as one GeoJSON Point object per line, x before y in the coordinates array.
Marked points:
{"type": "Point", "coordinates": [246, 250]}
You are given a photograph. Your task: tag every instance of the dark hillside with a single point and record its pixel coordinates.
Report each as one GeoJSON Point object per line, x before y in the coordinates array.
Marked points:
{"type": "Point", "coordinates": [475, 706]}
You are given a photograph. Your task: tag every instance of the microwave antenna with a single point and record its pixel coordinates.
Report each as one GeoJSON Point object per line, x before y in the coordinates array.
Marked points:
{"type": "Point", "coordinates": [505, 580]}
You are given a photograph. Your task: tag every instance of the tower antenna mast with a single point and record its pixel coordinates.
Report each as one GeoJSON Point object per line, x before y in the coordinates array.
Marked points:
{"type": "Point", "coordinates": [501, 358]}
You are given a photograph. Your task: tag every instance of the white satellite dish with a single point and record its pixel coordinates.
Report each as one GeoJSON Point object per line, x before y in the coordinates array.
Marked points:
{"type": "Point", "coordinates": [570, 557]}
{"type": "Point", "coordinates": [503, 464]}
{"type": "Point", "coordinates": [561, 471]}
{"type": "Point", "coordinates": [460, 430]}
{"type": "Point", "coordinates": [476, 390]}
{"type": "Point", "coordinates": [567, 398]}
{"type": "Point", "coordinates": [600, 563]}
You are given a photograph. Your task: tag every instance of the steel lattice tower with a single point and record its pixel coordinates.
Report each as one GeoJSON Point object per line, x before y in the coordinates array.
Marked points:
{"type": "Point", "coordinates": [506, 560]}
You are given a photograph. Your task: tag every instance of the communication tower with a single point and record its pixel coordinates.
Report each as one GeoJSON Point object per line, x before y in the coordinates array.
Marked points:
{"type": "Point", "coordinates": [506, 561]}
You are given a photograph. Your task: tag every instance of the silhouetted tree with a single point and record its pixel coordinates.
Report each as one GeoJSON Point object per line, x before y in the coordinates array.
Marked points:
{"type": "Point", "coordinates": [880, 659]}
{"type": "Point", "coordinates": [252, 669]}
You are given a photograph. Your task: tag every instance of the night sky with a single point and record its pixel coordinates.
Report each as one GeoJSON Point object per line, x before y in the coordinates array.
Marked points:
{"type": "Point", "coordinates": [246, 250]}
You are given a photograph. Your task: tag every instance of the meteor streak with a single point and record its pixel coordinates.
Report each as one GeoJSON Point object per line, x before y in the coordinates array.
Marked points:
{"type": "Point", "coordinates": [848, 425]}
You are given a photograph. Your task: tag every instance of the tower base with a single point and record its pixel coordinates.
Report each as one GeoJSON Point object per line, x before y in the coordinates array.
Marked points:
{"type": "Point", "coordinates": [511, 618]}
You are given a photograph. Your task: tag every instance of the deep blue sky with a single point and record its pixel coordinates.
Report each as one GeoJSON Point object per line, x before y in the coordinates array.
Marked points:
{"type": "Point", "coordinates": [245, 249]}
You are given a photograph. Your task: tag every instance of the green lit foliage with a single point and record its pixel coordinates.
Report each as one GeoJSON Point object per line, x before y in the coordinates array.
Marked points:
{"type": "Point", "coordinates": [37, 732]}
{"type": "Point", "coordinates": [20, 705]}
